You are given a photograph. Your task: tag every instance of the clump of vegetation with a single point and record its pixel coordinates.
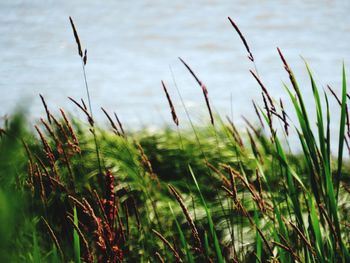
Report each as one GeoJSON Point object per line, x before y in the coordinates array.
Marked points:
{"type": "Point", "coordinates": [75, 192]}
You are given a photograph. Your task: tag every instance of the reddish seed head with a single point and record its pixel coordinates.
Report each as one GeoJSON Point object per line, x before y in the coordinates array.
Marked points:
{"type": "Point", "coordinates": [172, 108]}
{"type": "Point", "coordinates": [245, 43]}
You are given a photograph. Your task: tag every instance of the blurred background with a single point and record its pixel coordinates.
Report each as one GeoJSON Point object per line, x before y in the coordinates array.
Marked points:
{"type": "Point", "coordinates": [132, 45]}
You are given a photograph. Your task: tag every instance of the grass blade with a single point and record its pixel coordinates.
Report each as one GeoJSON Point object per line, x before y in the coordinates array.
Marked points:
{"type": "Point", "coordinates": [182, 238]}
{"type": "Point", "coordinates": [76, 239]}
{"type": "Point", "coordinates": [341, 131]}
{"type": "Point", "coordinates": [36, 248]}
{"type": "Point", "coordinates": [210, 220]}
{"type": "Point", "coordinates": [258, 239]}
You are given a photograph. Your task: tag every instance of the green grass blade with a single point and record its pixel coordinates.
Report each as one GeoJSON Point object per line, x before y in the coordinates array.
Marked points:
{"type": "Point", "coordinates": [206, 245]}
{"type": "Point", "coordinates": [328, 136]}
{"type": "Point", "coordinates": [76, 239]}
{"type": "Point", "coordinates": [36, 248]}
{"type": "Point", "coordinates": [54, 255]}
{"type": "Point", "coordinates": [258, 239]}
{"type": "Point", "coordinates": [290, 175]}
{"type": "Point", "coordinates": [308, 144]}
{"type": "Point", "coordinates": [316, 229]}
{"type": "Point", "coordinates": [320, 122]}
{"type": "Point", "coordinates": [341, 131]}
{"type": "Point", "coordinates": [182, 238]}
{"type": "Point", "coordinates": [210, 220]}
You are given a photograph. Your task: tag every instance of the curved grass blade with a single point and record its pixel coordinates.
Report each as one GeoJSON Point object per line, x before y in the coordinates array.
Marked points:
{"type": "Point", "coordinates": [76, 239]}
{"type": "Point", "coordinates": [182, 238]}
{"type": "Point", "coordinates": [258, 239]}
{"type": "Point", "coordinates": [316, 229]}
{"type": "Point", "coordinates": [210, 220]}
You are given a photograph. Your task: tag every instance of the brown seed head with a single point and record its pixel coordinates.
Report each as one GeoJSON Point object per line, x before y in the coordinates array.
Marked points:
{"type": "Point", "coordinates": [250, 55]}
{"type": "Point", "coordinates": [203, 87]}
{"type": "Point", "coordinates": [76, 37]}
{"type": "Point", "coordinates": [188, 217]}
{"type": "Point", "coordinates": [172, 108]}
{"type": "Point", "coordinates": [46, 108]}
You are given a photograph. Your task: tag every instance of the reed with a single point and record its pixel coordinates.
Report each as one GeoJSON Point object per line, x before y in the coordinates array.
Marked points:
{"type": "Point", "coordinates": [89, 114]}
{"type": "Point", "coordinates": [250, 199]}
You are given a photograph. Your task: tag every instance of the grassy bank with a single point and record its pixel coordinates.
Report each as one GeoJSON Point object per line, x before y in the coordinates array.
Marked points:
{"type": "Point", "coordinates": [71, 191]}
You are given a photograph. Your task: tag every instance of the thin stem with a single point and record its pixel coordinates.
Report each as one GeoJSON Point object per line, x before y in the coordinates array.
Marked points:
{"type": "Point", "coordinates": [93, 130]}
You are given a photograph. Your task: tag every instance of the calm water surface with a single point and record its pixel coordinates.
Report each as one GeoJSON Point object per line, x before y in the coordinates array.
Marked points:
{"type": "Point", "coordinates": [133, 44]}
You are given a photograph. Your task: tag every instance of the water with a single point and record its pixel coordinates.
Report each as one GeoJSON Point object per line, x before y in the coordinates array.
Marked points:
{"type": "Point", "coordinates": [133, 44]}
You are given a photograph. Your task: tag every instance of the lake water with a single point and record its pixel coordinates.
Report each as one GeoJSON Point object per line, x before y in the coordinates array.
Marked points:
{"type": "Point", "coordinates": [133, 44]}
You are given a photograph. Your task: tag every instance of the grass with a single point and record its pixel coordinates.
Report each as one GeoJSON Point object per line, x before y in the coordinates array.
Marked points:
{"type": "Point", "coordinates": [73, 192]}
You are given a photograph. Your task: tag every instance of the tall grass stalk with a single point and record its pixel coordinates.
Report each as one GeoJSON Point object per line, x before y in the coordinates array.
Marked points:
{"type": "Point", "coordinates": [83, 59]}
